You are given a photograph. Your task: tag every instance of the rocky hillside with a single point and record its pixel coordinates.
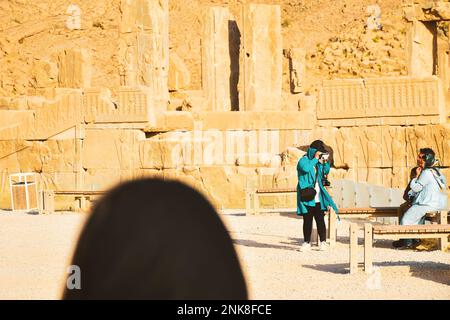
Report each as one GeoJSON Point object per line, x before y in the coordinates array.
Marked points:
{"type": "Point", "coordinates": [333, 34]}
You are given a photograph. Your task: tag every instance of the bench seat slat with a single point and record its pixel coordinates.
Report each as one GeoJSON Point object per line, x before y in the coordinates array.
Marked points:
{"type": "Point", "coordinates": [281, 190]}
{"type": "Point", "coordinates": [78, 192]}
{"type": "Point", "coordinates": [389, 229]}
{"type": "Point", "coordinates": [367, 210]}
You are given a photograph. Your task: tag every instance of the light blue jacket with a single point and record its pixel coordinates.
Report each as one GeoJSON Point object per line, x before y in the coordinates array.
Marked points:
{"type": "Point", "coordinates": [427, 190]}
{"type": "Point", "coordinates": [306, 172]}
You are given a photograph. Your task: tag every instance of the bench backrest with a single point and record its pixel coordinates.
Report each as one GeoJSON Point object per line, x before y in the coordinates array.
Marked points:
{"type": "Point", "coordinates": [348, 194]}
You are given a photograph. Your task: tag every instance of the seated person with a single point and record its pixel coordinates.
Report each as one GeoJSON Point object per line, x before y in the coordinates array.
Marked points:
{"type": "Point", "coordinates": [426, 193]}
{"type": "Point", "coordinates": [408, 194]}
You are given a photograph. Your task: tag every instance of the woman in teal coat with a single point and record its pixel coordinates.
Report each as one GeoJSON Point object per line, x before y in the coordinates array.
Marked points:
{"type": "Point", "coordinates": [311, 169]}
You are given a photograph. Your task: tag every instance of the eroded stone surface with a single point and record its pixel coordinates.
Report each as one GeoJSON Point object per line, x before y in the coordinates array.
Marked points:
{"type": "Point", "coordinates": [263, 57]}
{"type": "Point", "coordinates": [82, 118]}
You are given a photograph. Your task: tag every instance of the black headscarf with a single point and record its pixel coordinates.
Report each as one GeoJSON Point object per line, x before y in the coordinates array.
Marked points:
{"type": "Point", "coordinates": [154, 239]}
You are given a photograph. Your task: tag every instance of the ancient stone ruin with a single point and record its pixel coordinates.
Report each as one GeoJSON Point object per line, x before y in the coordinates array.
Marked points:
{"type": "Point", "coordinates": [86, 121]}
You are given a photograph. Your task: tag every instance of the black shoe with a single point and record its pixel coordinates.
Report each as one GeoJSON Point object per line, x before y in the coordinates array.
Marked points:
{"type": "Point", "coordinates": [398, 244]}
{"type": "Point", "coordinates": [409, 244]}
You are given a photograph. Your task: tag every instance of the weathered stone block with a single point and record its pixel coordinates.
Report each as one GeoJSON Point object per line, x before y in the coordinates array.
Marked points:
{"type": "Point", "coordinates": [291, 156]}
{"type": "Point", "coordinates": [445, 145]}
{"type": "Point", "coordinates": [102, 179]}
{"type": "Point", "coordinates": [400, 177]}
{"type": "Point", "coordinates": [216, 60]}
{"type": "Point", "coordinates": [382, 98]}
{"type": "Point", "coordinates": [144, 23]}
{"type": "Point", "coordinates": [262, 57]}
{"type": "Point", "coordinates": [307, 103]}
{"type": "Point", "coordinates": [58, 155]}
{"type": "Point", "coordinates": [350, 147]}
{"type": "Point", "coordinates": [111, 149]}
{"type": "Point", "coordinates": [59, 180]}
{"type": "Point", "coordinates": [257, 120]}
{"type": "Point", "coordinates": [179, 76]}
{"type": "Point", "coordinates": [132, 104]}
{"type": "Point", "coordinates": [393, 147]}
{"type": "Point", "coordinates": [343, 98]}
{"type": "Point", "coordinates": [149, 173]}
{"type": "Point", "coordinates": [12, 118]}
{"type": "Point", "coordinates": [174, 120]}
{"type": "Point", "coordinates": [373, 146]}
{"type": "Point", "coordinates": [45, 74]}
{"type": "Point", "coordinates": [74, 67]}
{"type": "Point", "coordinates": [290, 102]}
{"type": "Point", "coordinates": [402, 96]}
{"type": "Point", "coordinates": [297, 65]}
{"type": "Point", "coordinates": [420, 49]}
{"type": "Point", "coordinates": [163, 152]}
{"type": "Point", "coordinates": [225, 185]}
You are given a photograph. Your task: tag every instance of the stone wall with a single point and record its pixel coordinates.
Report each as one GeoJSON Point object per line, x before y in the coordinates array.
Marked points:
{"type": "Point", "coordinates": [376, 101]}
{"type": "Point", "coordinates": [82, 127]}
{"type": "Point", "coordinates": [219, 162]}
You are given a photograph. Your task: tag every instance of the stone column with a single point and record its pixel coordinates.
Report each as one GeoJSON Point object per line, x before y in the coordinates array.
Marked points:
{"type": "Point", "coordinates": [144, 32]}
{"type": "Point", "coordinates": [216, 62]}
{"type": "Point", "coordinates": [262, 57]}
{"type": "Point", "coordinates": [443, 66]}
{"type": "Point", "coordinates": [421, 51]}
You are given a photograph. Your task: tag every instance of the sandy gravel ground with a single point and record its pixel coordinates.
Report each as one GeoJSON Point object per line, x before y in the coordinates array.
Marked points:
{"type": "Point", "coordinates": [36, 249]}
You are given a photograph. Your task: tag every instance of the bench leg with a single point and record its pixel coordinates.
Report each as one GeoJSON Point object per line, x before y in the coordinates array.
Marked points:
{"type": "Point", "coordinates": [332, 231]}
{"type": "Point", "coordinates": [255, 203]}
{"type": "Point", "coordinates": [443, 217]}
{"type": "Point", "coordinates": [353, 248]}
{"type": "Point", "coordinates": [83, 203]}
{"type": "Point", "coordinates": [48, 201]}
{"type": "Point", "coordinates": [41, 202]}
{"type": "Point", "coordinates": [368, 242]}
{"type": "Point", "coordinates": [443, 241]}
{"type": "Point", "coordinates": [248, 204]}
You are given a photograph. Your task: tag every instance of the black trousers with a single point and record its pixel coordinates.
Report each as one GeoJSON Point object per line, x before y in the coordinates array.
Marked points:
{"type": "Point", "coordinates": [318, 215]}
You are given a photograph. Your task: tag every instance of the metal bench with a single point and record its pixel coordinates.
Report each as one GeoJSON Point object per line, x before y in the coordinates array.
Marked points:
{"type": "Point", "coordinates": [394, 232]}
{"type": "Point", "coordinates": [47, 203]}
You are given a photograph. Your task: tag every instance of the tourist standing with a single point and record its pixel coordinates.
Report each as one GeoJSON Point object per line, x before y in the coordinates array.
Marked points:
{"type": "Point", "coordinates": [312, 197]}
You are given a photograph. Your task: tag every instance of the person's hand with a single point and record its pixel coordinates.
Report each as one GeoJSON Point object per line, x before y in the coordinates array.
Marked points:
{"type": "Point", "coordinates": [418, 171]}
{"type": "Point", "coordinates": [317, 154]}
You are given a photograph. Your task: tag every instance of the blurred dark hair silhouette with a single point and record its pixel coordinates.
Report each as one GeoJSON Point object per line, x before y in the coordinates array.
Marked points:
{"type": "Point", "coordinates": [155, 239]}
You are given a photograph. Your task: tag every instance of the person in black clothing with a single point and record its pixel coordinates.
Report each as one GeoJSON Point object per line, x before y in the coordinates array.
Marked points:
{"type": "Point", "coordinates": [155, 239]}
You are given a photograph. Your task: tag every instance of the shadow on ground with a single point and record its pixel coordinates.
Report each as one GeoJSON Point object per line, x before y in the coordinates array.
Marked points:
{"type": "Point", "coordinates": [33, 212]}
{"type": "Point", "coordinates": [255, 244]}
{"type": "Point", "coordinates": [290, 214]}
{"type": "Point", "coordinates": [426, 270]}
